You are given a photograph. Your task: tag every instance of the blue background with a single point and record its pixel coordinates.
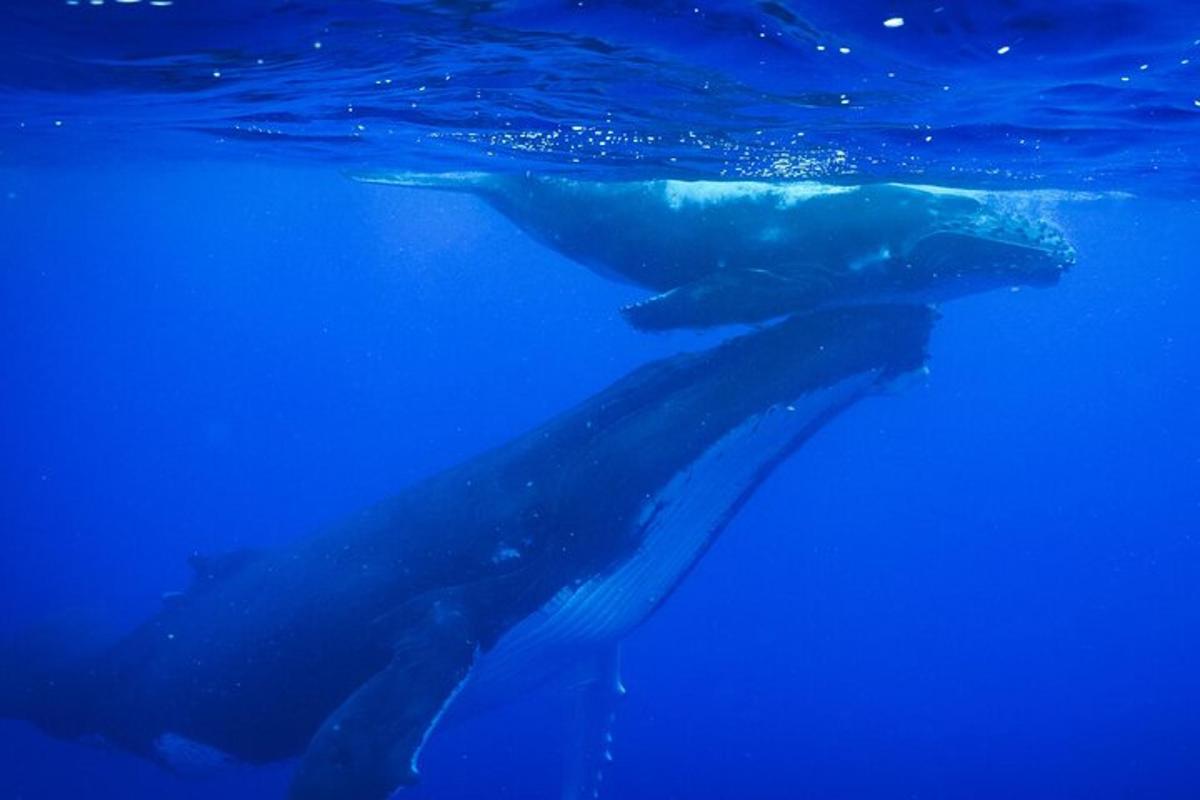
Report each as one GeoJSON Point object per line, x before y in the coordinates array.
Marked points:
{"type": "Point", "coordinates": [985, 586]}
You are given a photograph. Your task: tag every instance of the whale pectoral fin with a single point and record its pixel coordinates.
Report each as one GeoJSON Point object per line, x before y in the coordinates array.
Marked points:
{"type": "Point", "coordinates": [723, 298]}
{"type": "Point", "coordinates": [589, 749]}
{"type": "Point", "coordinates": [369, 746]}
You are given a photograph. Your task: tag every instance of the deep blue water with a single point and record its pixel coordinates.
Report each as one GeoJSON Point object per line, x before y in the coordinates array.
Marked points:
{"type": "Point", "coordinates": [986, 586]}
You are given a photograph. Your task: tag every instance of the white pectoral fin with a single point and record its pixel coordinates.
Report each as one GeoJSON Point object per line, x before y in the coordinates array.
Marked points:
{"type": "Point", "coordinates": [369, 746]}
{"type": "Point", "coordinates": [595, 696]}
{"type": "Point", "coordinates": [724, 298]}
{"type": "Point", "coordinates": [188, 757]}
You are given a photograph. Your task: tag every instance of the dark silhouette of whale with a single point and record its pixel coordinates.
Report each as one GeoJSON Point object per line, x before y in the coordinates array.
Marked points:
{"type": "Point", "coordinates": [721, 252]}
{"type": "Point", "coordinates": [346, 648]}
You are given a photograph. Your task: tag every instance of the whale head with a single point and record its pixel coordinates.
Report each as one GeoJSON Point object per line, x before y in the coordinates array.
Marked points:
{"type": "Point", "coordinates": [982, 250]}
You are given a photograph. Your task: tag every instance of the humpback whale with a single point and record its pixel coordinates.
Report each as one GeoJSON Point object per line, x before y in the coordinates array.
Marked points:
{"type": "Point", "coordinates": [725, 252]}
{"type": "Point", "coordinates": [347, 647]}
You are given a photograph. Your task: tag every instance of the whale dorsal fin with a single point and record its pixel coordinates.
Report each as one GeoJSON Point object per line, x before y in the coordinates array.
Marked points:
{"type": "Point", "coordinates": [369, 745]}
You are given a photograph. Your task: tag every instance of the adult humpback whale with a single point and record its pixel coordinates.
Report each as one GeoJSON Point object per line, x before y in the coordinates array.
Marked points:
{"type": "Point", "coordinates": [347, 647]}
{"type": "Point", "coordinates": [719, 252]}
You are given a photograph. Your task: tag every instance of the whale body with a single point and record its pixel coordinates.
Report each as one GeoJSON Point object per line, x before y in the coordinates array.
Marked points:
{"type": "Point", "coordinates": [725, 252]}
{"type": "Point", "coordinates": [347, 647]}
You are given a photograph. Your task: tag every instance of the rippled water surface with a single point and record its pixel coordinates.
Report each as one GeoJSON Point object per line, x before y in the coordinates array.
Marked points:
{"type": "Point", "coordinates": [1069, 94]}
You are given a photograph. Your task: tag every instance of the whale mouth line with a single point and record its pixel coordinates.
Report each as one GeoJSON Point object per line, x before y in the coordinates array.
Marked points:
{"type": "Point", "coordinates": [1042, 244]}
{"type": "Point", "coordinates": [983, 260]}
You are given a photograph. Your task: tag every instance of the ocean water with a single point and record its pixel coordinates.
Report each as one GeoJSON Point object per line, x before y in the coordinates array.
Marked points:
{"type": "Point", "coordinates": [983, 585]}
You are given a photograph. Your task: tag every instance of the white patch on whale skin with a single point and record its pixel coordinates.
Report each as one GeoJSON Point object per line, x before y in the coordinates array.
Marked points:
{"type": "Point", "coordinates": [415, 758]}
{"type": "Point", "coordinates": [425, 180]}
{"type": "Point", "coordinates": [679, 193]}
{"type": "Point", "coordinates": [677, 523]}
{"type": "Point", "coordinates": [872, 259]}
{"type": "Point", "coordinates": [683, 193]}
{"type": "Point", "coordinates": [505, 553]}
{"type": "Point", "coordinates": [189, 757]}
{"type": "Point", "coordinates": [773, 233]}
{"type": "Point", "coordinates": [1043, 195]}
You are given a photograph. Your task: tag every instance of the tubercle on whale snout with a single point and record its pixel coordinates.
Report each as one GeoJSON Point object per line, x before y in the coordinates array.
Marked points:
{"type": "Point", "coordinates": [1034, 233]}
{"type": "Point", "coordinates": [1013, 228]}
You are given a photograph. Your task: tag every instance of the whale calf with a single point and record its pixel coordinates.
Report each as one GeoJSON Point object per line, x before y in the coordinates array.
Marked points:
{"type": "Point", "coordinates": [347, 647]}
{"type": "Point", "coordinates": [726, 252]}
